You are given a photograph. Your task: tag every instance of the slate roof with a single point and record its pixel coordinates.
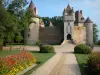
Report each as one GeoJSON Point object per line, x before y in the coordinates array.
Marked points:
{"type": "Point", "coordinates": [33, 8]}
{"type": "Point", "coordinates": [68, 10]}
{"type": "Point", "coordinates": [79, 17]}
{"type": "Point", "coordinates": [88, 20]}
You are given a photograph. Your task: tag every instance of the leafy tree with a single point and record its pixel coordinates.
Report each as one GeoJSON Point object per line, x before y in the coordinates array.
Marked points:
{"type": "Point", "coordinates": [19, 38]}
{"type": "Point", "coordinates": [16, 8]}
{"type": "Point", "coordinates": [11, 17]}
{"type": "Point", "coordinates": [95, 33]}
{"type": "Point", "coordinates": [46, 21]}
{"type": "Point", "coordinates": [7, 25]}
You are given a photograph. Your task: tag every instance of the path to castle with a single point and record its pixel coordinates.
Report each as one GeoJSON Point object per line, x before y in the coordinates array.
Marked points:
{"type": "Point", "coordinates": [63, 63]}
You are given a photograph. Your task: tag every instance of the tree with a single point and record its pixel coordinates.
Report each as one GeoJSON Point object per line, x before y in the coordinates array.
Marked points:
{"type": "Point", "coordinates": [11, 17]}
{"type": "Point", "coordinates": [16, 8]}
{"type": "Point", "coordinates": [7, 25]}
{"type": "Point", "coordinates": [95, 33]}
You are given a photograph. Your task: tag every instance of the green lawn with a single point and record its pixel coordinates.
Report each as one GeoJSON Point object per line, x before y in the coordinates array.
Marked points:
{"type": "Point", "coordinates": [17, 44]}
{"type": "Point", "coordinates": [4, 53]}
{"type": "Point", "coordinates": [82, 61]}
{"type": "Point", "coordinates": [41, 59]}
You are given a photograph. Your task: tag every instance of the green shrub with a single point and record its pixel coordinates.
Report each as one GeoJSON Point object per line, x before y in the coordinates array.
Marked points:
{"type": "Point", "coordinates": [83, 49]}
{"type": "Point", "coordinates": [99, 42]}
{"type": "Point", "coordinates": [47, 49]}
{"type": "Point", "coordinates": [94, 63]}
{"type": "Point", "coordinates": [38, 43]}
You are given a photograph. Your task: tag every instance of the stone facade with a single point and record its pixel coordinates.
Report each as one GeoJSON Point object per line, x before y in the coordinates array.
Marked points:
{"type": "Point", "coordinates": [50, 35]}
{"type": "Point", "coordinates": [79, 34]}
{"type": "Point", "coordinates": [76, 29]}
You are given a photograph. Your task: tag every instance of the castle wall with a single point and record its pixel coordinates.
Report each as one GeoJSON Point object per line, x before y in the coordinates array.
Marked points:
{"type": "Point", "coordinates": [50, 35]}
{"type": "Point", "coordinates": [79, 34]}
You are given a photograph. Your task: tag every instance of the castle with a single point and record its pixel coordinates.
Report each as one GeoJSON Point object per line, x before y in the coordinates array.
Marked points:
{"type": "Point", "coordinates": [76, 28]}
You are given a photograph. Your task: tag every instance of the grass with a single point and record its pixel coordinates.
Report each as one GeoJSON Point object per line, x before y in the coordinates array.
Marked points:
{"type": "Point", "coordinates": [16, 44]}
{"type": "Point", "coordinates": [41, 59]}
{"type": "Point", "coordinates": [82, 61]}
{"type": "Point", "coordinates": [4, 53]}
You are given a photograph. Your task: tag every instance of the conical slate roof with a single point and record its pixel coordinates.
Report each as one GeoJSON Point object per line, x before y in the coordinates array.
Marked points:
{"type": "Point", "coordinates": [31, 6]}
{"type": "Point", "coordinates": [88, 20]}
{"type": "Point", "coordinates": [68, 7]}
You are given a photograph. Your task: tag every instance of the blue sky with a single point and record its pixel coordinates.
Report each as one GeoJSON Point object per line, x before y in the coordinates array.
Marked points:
{"type": "Point", "coordinates": [50, 8]}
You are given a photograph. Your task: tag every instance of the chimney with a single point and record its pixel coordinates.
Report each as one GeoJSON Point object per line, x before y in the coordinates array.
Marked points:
{"type": "Point", "coordinates": [81, 11]}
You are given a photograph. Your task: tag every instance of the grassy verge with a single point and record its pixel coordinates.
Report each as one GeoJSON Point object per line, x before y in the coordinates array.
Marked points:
{"type": "Point", "coordinates": [41, 59]}
{"type": "Point", "coordinates": [82, 61]}
{"type": "Point", "coordinates": [4, 53]}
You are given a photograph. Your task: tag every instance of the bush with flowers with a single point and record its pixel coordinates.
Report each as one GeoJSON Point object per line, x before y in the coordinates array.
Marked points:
{"type": "Point", "coordinates": [94, 63]}
{"type": "Point", "coordinates": [11, 65]}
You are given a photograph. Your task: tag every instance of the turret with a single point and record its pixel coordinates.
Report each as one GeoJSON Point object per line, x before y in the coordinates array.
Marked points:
{"type": "Point", "coordinates": [33, 9]}
{"type": "Point", "coordinates": [32, 33]}
{"type": "Point", "coordinates": [69, 18]}
{"type": "Point", "coordinates": [89, 30]}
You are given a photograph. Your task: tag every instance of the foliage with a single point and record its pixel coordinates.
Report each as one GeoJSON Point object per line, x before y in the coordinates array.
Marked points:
{"type": "Point", "coordinates": [56, 21]}
{"type": "Point", "coordinates": [94, 63]}
{"type": "Point", "coordinates": [47, 49]}
{"type": "Point", "coordinates": [82, 48]}
{"type": "Point", "coordinates": [7, 25]}
{"type": "Point", "coordinates": [19, 38]}
{"type": "Point", "coordinates": [95, 33]}
{"type": "Point", "coordinates": [82, 62]}
{"type": "Point", "coordinates": [38, 43]}
{"type": "Point", "coordinates": [11, 65]}
{"type": "Point", "coordinates": [98, 42]}
{"type": "Point", "coordinates": [1, 41]}
{"type": "Point", "coordinates": [13, 19]}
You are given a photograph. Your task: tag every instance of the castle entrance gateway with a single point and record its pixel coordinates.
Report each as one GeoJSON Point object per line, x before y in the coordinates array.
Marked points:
{"type": "Point", "coordinates": [68, 37]}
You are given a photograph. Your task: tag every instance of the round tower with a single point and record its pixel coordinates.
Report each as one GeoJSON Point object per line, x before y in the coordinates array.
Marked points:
{"type": "Point", "coordinates": [69, 18]}
{"type": "Point", "coordinates": [89, 31]}
{"type": "Point", "coordinates": [32, 32]}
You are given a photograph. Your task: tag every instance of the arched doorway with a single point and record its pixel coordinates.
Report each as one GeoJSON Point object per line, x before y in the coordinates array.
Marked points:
{"type": "Point", "coordinates": [68, 37]}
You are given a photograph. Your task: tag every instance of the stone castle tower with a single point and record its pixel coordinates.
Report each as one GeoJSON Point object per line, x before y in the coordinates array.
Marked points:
{"type": "Point", "coordinates": [32, 33]}
{"type": "Point", "coordinates": [89, 30]}
{"type": "Point", "coordinates": [76, 28]}
{"type": "Point", "coordinates": [69, 18]}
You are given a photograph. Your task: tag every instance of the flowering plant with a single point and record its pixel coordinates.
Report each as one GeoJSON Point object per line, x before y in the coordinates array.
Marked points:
{"type": "Point", "coordinates": [10, 65]}
{"type": "Point", "coordinates": [94, 63]}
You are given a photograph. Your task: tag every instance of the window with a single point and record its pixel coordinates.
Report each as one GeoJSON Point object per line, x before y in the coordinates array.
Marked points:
{"type": "Point", "coordinates": [29, 29]}
{"type": "Point", "coordinates": [28, 35]}
{"type": "Point", "coordinates": [68, 23]}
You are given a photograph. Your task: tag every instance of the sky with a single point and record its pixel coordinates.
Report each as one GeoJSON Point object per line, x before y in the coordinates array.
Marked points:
{"type": "Point", "coordinates": [51, 8]}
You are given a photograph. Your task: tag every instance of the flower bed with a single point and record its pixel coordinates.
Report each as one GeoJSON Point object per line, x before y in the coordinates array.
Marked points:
{"type": "Point", "coordinates": [11, 65]}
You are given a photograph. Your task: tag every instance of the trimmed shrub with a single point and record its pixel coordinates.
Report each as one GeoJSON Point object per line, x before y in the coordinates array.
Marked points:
{"type": "Point", "coordinates": [94, 63]}
{"type": "Point", "coordinates": [83, 49]}
{"type": "Point", "coordinates": [47, 49]}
